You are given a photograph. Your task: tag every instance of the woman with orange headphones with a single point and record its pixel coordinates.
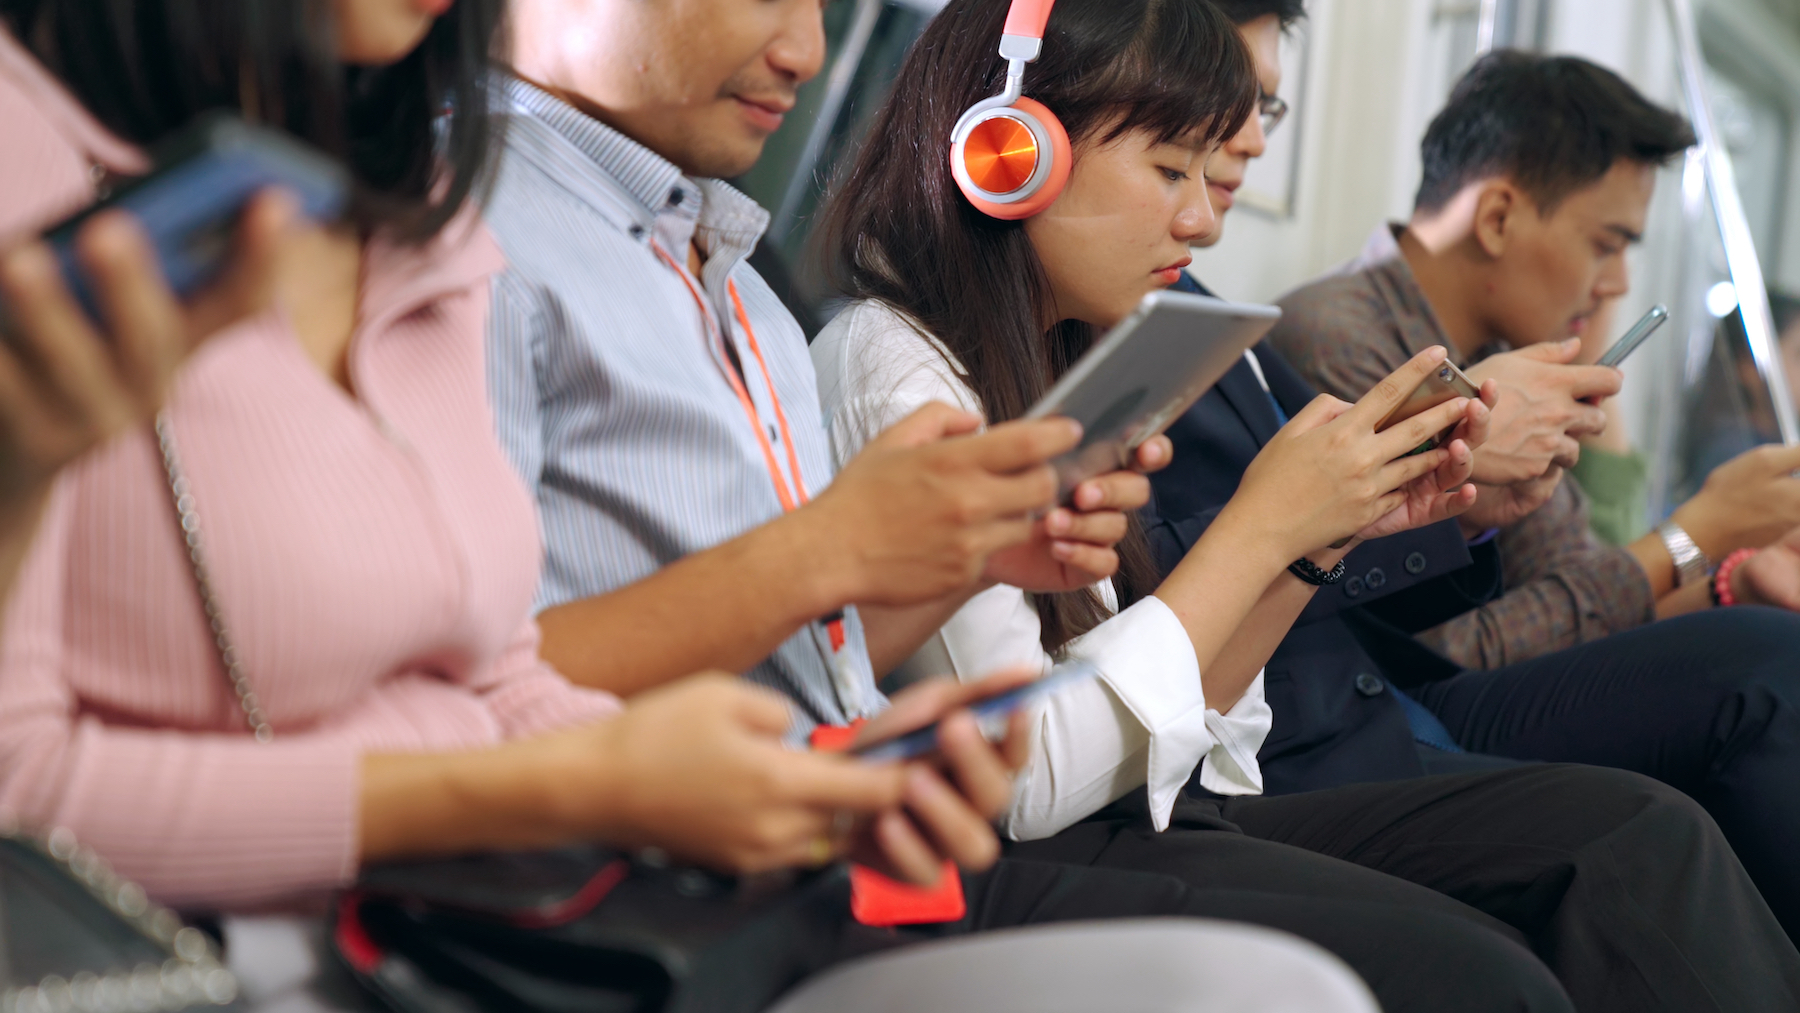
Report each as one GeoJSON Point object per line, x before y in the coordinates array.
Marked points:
{"type": "Point", "coordinates": [977, 279]}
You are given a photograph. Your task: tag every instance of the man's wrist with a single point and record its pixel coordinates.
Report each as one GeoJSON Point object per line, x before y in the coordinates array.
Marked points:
{"type": "Point", "coordinates": [818, 561]}
{"type": "Point", "coordinates": [1691, 562]}
{"type": "Point", "coordinates": [1696, 518]}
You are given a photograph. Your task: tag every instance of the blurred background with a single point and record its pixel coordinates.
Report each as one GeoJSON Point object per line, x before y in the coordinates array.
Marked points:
{"type": "Point", "coordinates": [1364, 78]}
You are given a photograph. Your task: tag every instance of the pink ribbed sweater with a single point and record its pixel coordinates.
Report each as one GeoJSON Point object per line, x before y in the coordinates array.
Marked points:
{"type": "Point", "coordinates": [375, 557]}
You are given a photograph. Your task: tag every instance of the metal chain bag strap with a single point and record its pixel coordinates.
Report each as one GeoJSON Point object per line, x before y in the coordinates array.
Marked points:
{"type": "Point", "coordinates": [76, 937]}
{"type": "Point", "coordinates": [583, 928]}
{"type": "Point", "coordinates": [190, 534]}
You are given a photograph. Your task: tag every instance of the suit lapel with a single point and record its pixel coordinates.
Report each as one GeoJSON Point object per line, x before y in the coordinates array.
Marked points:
{"type": "Point", "coordinates": [1239, 385]}
{"type": "Point", "coordinates": [1250, 401]}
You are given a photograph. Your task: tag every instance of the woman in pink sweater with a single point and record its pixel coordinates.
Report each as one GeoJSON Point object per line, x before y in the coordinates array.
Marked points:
{"type": "Point", "coordinates": [372, 554]}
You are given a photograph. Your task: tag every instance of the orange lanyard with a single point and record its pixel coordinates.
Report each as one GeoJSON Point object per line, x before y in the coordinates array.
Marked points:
{"type": "Point", "coordinates": [791, 499]}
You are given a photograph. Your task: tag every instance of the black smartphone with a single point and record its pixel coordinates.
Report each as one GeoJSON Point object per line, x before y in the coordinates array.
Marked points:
{"type": "Point", "coordinates": [991, 714]}
{"type": "Point", "coordinates": [1639, 333]}
{"type": "Point", "coordinates": [189, 204]}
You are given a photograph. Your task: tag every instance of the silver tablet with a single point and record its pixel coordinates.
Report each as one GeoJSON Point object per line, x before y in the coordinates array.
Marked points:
{"type": "Point", "coordinates": [1144, 373]}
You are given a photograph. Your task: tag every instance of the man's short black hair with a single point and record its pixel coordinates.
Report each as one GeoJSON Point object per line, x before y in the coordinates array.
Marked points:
{"type": "Point", "coordinates": [1550, 124]}
{"type": "Point", "coordinates": [1242, 12]}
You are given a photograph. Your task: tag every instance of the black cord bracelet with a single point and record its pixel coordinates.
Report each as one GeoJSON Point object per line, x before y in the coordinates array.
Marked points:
{"type": "Point", "coordinates": [1309, 571]}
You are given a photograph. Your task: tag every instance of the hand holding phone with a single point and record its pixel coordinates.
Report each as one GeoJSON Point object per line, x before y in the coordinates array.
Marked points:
{"type": "Point", "coordinates": [188, 206]}
{"type": "Point", "coordinates": [1639, 333]}
{"type": "Point", "coordinates": [991, 715]}
{"type": "Point", "coordinates": [1446, 383]}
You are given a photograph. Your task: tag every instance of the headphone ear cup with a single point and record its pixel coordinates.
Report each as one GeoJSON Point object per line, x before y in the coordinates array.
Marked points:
{"type": "Point", "coordinates": [1045, 192]}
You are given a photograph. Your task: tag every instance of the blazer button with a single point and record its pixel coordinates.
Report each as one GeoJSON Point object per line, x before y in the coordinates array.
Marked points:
{"type": "Point", "coordinates": [1415, 563]}
{"type": "Point", "coordinates": [1376, 579]}
{"type": "Point", "coordinates": [1370, 685]}
{"type": "Point", "coordinates": [1353, 588]}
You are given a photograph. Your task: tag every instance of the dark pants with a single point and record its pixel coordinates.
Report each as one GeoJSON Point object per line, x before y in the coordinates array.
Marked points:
{"type": "Point", "coordinates": [1708, 703]}
{"type": "Point", "coordinates": [1621, 885]}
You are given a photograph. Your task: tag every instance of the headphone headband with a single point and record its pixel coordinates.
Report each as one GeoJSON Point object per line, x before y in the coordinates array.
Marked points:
{"type": "Point", "coordinates": [1023, 36]}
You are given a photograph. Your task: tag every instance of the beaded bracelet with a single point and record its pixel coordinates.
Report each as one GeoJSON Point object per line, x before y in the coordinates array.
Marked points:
{"type": "Point", "coordinates": [1309, 571]}
{"type": "Point", "coordinates": [1721, 582]}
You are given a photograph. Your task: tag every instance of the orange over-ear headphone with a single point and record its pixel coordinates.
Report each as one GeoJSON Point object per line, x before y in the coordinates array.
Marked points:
{"type": "Point", "coordinates": [1009, 154]}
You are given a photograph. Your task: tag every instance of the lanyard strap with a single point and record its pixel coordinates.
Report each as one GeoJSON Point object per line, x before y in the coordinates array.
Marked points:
{"type": "Point", "coordinates": [790, 499]}
{"type": "Point", "coordinates": [795, 497]}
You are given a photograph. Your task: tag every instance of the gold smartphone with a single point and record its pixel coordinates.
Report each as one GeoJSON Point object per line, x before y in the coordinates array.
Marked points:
{"type": "Point", "coordinates": [1445, 384]}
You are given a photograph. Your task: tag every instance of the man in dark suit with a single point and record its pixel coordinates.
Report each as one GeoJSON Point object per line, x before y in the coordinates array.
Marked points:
{"type": "Point", "coordinates": [1339, 718]}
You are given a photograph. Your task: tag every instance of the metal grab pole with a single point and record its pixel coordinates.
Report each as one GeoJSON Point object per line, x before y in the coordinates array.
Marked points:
{"type": "Point", "coordinates": [837, 91]}
{"type": "Point", "coordinates": [1487, 26]}
{"type": "Point", "coordinates": [1734, 224]}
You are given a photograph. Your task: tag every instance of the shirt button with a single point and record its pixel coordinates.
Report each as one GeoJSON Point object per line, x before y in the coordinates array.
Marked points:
{"type": "Point", "coordinates": [1353, 588]}
{"type": "Point", "coordinates": [1370, 685]}
{"type": "Point", "coordinates": [637, 231]}
{"type": "Point", "coordinates": [1415, 563]}
{"type": "Point", "coordinates": [676, 197]}
{"type": "Point", "coordinates": [1376, 579]}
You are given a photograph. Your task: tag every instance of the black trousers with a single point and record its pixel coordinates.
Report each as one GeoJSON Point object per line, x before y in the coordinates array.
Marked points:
{"type": "Point", "coordinates": [1708, 703]}
{"type": "Point", "coordinates": [1436, 889]}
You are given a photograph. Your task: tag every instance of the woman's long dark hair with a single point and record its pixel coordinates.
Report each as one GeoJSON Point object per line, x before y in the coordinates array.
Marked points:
{"type": "Point", "coordinates": [898, 230]}
{"type": "Point", "coordinates": [145, 68]}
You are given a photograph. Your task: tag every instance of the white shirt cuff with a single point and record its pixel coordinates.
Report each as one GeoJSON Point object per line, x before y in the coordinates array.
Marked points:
{"type": "Point", "coordinates": [1230, 767]}
{"type": "Point", "coordinates": [1158, 681]}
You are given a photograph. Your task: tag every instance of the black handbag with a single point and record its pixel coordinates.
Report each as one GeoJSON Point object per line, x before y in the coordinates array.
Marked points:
{"type": "Point", "coordinates": [588, 929]}
{"type": "Point", "coordinates": [75, 937]}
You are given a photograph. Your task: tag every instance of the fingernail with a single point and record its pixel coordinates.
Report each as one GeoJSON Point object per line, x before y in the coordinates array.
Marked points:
{"type": "Point", "coordinates": [1062, 551]}
{"type": "Point", "coordinates": [1058, 522]}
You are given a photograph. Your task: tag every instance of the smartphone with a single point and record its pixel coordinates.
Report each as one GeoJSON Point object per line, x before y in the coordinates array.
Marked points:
{"type": "Point", "coordinates": [189, 204]}
{"type": "Point", "coordinates": [990, 714]}
{"type": "Point", "coordinates": [1444, 385]}
{"type": "Point", "coordinates": [1639, 332]}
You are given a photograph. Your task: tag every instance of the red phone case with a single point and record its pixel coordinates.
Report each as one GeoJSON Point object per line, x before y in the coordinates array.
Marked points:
{"type": "Point", "coordinates": [877, 900]}
{"type": "Point", "coordinates": [880, 901]}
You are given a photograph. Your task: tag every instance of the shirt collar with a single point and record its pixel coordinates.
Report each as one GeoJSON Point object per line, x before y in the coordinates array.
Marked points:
{"type": "Point", "coordinates": [681, 207]}
{"type": "Point", "coordinates": [1382, 260]}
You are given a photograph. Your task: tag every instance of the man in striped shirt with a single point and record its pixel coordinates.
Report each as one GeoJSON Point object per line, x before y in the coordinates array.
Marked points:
{"type": "Point", "coordinates": [661, 405]}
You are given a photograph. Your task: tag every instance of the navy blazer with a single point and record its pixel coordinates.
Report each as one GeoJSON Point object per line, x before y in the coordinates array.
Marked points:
{"type": "Point", "coordinates": [1330, 683]}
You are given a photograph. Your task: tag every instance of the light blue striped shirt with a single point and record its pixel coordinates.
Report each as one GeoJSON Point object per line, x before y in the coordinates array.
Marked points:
{"type": "Point", "coordinates": [610, 392]}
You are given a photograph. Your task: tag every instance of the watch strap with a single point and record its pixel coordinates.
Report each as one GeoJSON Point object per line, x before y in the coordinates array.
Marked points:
{"type": "Point", "coordinates": [1691, 565]}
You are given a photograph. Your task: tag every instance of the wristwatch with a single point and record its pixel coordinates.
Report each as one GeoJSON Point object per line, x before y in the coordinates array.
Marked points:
{"type": "Point", "coordinates": [1691, 565]}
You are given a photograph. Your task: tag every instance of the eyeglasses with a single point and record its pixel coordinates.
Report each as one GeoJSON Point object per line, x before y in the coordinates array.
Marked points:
{"type": "Point", "coordinates": [1273, 109]}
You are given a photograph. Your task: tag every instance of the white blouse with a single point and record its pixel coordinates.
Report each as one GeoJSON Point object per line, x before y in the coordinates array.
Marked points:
{"type": "Point", "coordinates": [1145, 722]}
